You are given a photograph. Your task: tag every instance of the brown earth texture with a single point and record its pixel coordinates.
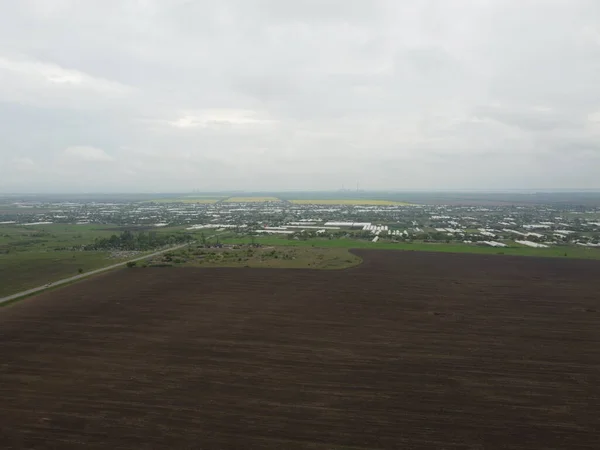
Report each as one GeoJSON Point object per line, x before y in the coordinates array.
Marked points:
{"type": "Point", "coordinates": [406, 351]}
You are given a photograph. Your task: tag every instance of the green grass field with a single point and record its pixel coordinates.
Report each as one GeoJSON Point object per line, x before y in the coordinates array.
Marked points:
{"type": "Point", "coordinates": [31, 256]}
{"type": "Point", "coordinates": [25, 270]}
{"type": "Point", "coordinates": [570, 252]}
{"type": "Point", "coordinates": [48, 237]}
{"type": "Point", "coordinates": [353, 202]}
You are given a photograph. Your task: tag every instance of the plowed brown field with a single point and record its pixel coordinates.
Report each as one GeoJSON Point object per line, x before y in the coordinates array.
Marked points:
{"type": "Point", "coordinates": [408, 350]}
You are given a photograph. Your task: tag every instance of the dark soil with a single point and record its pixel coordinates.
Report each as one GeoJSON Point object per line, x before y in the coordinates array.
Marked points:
{"type": "Point", "coordinates": [409, 350]}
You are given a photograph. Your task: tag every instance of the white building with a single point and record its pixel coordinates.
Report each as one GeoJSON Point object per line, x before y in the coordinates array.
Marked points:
{"type": "Point", "coordinates": [531, 244]}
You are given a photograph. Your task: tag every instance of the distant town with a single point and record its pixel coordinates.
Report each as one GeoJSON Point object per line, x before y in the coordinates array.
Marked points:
{"type": "Point", "coordinates": [377, 221]}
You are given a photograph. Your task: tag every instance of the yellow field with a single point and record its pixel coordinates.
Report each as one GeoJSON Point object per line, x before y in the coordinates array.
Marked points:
{"type": "Point", "coordinates": [251, 199]}
{"type": "Point", "coordinates": [351, 202]}
{"type": "Point", "coordinates": [211, 196]}
{"type": "Point", "coordinates": [184, 200]}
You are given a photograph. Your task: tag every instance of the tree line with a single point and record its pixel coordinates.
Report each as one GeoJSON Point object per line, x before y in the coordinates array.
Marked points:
{"type": "Point", "coordinates": [139, 241]}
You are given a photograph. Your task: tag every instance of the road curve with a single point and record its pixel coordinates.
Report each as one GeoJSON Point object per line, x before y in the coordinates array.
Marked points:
{"type": "Point", "coordinates": [84, 275]}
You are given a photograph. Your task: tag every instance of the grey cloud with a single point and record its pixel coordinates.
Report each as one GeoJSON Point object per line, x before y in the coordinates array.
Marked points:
{"type": "Point", "coordinates": [268, 94]}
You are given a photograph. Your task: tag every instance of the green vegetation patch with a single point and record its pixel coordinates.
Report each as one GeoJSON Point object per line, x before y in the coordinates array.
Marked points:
{"type": "Point", "coordinates": [31, 256]}
{"type": "Point", "coordinates": [57, 237]}
{"type": "Point", "coordinates": [556, 252]}
{"type": "Point", "coordinates": [66, 237]}
{"type": "Point", "coordinates": [265, 257]}
{"type": "Point", "coordinates": [139, 241]}
{"type": "Point", "coordinates": [25, 270]}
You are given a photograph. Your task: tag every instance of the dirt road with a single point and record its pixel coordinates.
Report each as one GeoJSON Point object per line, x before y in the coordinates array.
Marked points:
{"type": "Point", "coordinates": [83, 275]}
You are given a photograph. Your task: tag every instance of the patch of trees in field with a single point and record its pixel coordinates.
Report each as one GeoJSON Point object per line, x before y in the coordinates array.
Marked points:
{"type": "Point", "coordinates": [140, 241]}
{"type": "Point", "coordinates": [229, 255]}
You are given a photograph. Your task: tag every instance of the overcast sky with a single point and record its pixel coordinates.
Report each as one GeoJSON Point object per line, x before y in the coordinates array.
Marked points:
{"type": "Point", "coordinates": [175, 95]}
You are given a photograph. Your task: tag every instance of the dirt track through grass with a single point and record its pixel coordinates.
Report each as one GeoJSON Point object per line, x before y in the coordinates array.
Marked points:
{"type": "Point", "coordinates": [408, 350]}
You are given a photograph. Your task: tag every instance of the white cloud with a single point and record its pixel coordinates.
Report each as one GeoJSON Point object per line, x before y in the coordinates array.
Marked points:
{"type": "Point", "coordinates": [594, 117]}
{"type": "Point", "coordinates": [34, 82]}
{"type": "Point", "coordinates": [87, 153]}
{"type": "Point", "coordinates": [219, 117]}
{"type": "Point", "coordinates": [52, 73]}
